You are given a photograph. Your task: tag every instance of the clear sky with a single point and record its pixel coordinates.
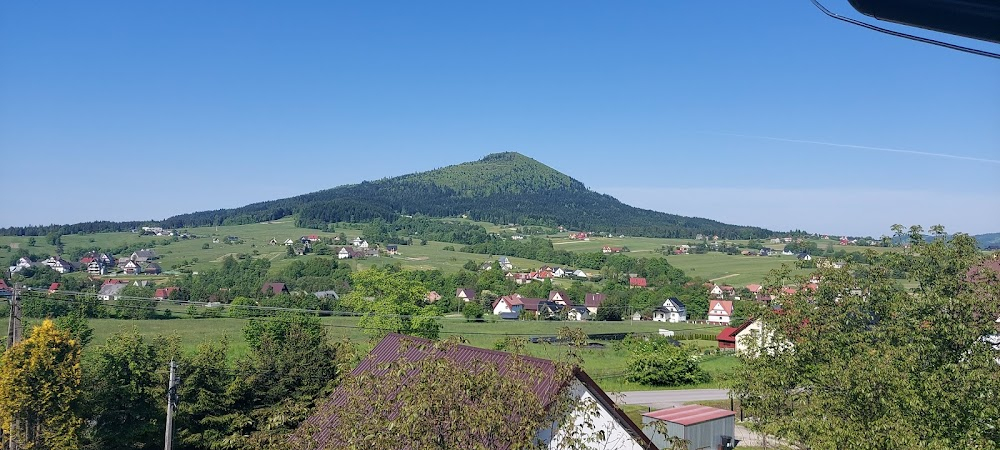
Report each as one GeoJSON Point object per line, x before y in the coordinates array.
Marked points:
{"type": "Point", "coordinates": [143, 110]}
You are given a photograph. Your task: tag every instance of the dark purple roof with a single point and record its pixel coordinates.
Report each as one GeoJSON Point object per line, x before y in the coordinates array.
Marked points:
{"type": "Point", "coordinates": [594, 300]}
{"type": "Point", "coordinates": [276, 288]}
{"type": "Point", "coordinates": [531, 304]}
{"type": "Point", "coordinates": [395, 347]}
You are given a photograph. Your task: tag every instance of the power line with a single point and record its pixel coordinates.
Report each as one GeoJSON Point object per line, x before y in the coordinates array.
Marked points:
{"type": "Point", "coordinates": [387, 329]}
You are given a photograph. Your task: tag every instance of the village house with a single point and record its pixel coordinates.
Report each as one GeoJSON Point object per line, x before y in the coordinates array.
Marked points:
{"type": "Point", "coordinates": [594, 415]}
{"type": "Point", "coordinates": [609, 249]}
{"type": "Point", "coordinates": [560, 298]}
{"type": "Point", "coordinates": [508, 306]}
{"type": "Point", "coordinates": [164, 293]}
{"type": "Point", "coordinates": [594, 301]}
{"type": "Point", "coordinates": [465, 294]}
{"type": "Point", "coordinates": [131, 267]}
{"type": "Point", "coordinates": [273, 289]}
{"type": "Point", "coordinates": [432, 297]}
{"type": "Point", "coordinates": [578, 312]}
{"type": "Point", "coordinates": [520, 278]}
{"type": "Point", "coordinates": [720, 311]}
{"type": "Point", "coordinates": [143, 255]}
{"type": "Point", "coordinates": [58, 264]}
{"type": "Point", "coordinates": [392, 249]}
{"type": "Point", "coordinates": [111, 291]}
{"type": "Point", "coordinates": [22, 263]}
{"type": "Point", "coordinates": [505, 263]}
{"type": "Point", "coordinates": [672, 311]}
{"type": "Point", "coordinates": [152, 269]}
{"type": "Point", "coordinates": [636, 282]}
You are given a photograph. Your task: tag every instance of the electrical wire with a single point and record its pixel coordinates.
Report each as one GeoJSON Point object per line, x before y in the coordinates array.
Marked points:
{"type": "Point", "coordinates": [38, 295]}
{"type": "Point", "coordinates": [904, 35]}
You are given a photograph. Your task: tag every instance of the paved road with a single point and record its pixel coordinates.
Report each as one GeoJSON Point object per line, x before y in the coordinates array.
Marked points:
{"type": "Point", "coordinates": [668, 399]}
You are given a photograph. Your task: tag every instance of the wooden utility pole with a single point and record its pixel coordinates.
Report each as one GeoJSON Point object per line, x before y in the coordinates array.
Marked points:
{"type": "Point", "coordinates": [15, 329]}
{"type": "Point", "coordinates": [171, 406]}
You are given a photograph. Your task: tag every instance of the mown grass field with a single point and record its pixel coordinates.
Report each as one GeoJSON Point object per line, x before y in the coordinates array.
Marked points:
{"type": "Point", "coordinates": [735, 270]}
{"type": "Point", "coordinates": [606, 365]}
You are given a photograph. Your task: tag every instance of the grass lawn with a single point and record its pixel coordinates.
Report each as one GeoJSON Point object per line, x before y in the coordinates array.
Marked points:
{"type": "Point", "coordinates": [606, 365]}
{"type": "Point", "coordinates": [735, 270]}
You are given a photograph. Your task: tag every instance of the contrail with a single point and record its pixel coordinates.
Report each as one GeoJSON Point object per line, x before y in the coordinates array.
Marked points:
{"type": "Point", "coordinates": [865, 147]}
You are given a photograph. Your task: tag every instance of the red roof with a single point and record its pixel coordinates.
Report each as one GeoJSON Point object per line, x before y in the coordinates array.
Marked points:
{"type": "Point", "coordinates": [755, 288]}
{"type": "Point", "coordinates": [725, 305]}
{"type": "Point", "coordinates": [276, 288]}
{"type": "Point", "coordinates": [114, 281]}
{"type": "Point", "coordinates": [164, 292]}
{"type": "Point", "coordinates": [54, 287]}
{"type": "Point", "coordinates": [637, 281]}
{"type": "Point", "coordinates": [690, 414]}
{"type": "Point", "coordinates": [3, 284]}
{"type": "Point", "coordinates": [727, 335]}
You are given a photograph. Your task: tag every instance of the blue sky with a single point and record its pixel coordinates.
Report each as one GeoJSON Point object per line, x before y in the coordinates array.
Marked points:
{"type": "Point", "coordinates": [142, 110]}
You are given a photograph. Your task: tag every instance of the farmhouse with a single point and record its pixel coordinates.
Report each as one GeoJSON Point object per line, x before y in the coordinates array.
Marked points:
{"type": "Point", "coordinates": [131, 267]}
{"type": "Point", "coordinates": [577, 313]}
{"type": "Point", "coordinates": [594, 301]}
{"type": "Point", "coordinates": [508, 306]}
{"type": "Point", "coordinates": [143, 255]}
{"type": "Point", "coordinates": [672, 311]}
{"type": "Point", "coordinates": [273, 289]}
{"type": "Point", "coordinates": [720, 311]}
{"type": "Point", "coordinates": [465, 294]}
{"type": "Point", "coordinates": [58, 264]}
{"type": "Point", "coordinates": [592, 415]}
{"type": "Point", "coordinates": [111, 291]}
{"type": "Point", "coordinates": [560, 298]}
{"type": "Point", "coordinates": [164, 293]}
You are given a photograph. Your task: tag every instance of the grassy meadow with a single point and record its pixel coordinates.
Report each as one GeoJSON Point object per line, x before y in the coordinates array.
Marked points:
{"type": "Point", "coordinates": [606, 365]}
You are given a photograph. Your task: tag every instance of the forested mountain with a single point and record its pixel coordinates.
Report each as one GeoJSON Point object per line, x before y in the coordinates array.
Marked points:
{"type": "Point", "coordinates": [988, 240]}
{"type": "Point", "coordinates": [500, 188]}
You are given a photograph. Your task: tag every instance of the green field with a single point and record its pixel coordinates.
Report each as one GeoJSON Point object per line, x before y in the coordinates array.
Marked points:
{"type": "Point", "coordinates": [735, 270]}
{"type": "Point", "coordinates": [605, 365]}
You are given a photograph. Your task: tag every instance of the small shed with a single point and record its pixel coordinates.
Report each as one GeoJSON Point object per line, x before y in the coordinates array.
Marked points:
{"type": "Point", "coordinates": [702, 427]}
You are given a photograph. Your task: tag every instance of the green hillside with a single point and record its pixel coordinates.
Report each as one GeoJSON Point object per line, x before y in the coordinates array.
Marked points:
{"type": "Point", "coordinates": [500, 188]}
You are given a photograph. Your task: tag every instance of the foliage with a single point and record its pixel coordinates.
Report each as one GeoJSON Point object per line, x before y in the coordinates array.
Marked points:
{"type": "Point", "coordinates": [659, 361]}
{"type": "Point", "coordinates": [288, 368]}
{"type": "Point", "coordinates": [76, 324]}
{"type": "Point", "coordinates": [136, 302]}
{"type": "Point", "coordinates": [863, 361]}
{"type": "Point", "coordinates": [443, 405]}
{"type": "Point", "coordinates": [390, 302]}
{"type": "Point", "coordinates": [39, 387]}
{"type": "Point", "coordinates": [203, 414]}
{"type": "Point", "coordinates": [473, 310]}
{"type": "Point", "coordinates": [124, 390]}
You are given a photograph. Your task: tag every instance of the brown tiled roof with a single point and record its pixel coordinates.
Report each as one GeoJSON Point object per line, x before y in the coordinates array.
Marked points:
{"type": "Point", "coordinates": [542, 379]}
{"type": "Point", "coordinates": [594, 300]}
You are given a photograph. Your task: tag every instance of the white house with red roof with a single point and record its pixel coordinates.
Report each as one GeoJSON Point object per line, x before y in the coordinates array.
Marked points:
{"type": "Point", "coordinates": [508, 304]}
{"type": "Point", "coordinates": [720, 311]}
{"type": "Point", "coordinates": [560, 297]}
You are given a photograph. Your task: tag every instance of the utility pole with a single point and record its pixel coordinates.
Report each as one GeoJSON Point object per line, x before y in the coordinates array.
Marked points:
{"type": "Point", "coordinates": [171, 406]}
{"type": "Point", "coordinates": [15, 329]}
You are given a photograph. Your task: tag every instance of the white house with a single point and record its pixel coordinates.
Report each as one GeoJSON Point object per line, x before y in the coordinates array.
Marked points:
{"type": "Point", "coordinates": [559, 297]}
{"type": "Point", "coordinates": [672, 311]}
{"type": "Point", "coordinates": [578, 313]}
{"type": "Point", "coordinates": [505, 263]}
{"type": "Point", "coordinates": [363, 244]}
{"type": "Point", "coordinates": [580, 274]}
{"type": "Point", "coordinates": [465, 294]}
{"type": "Point", "coordinates": [132, 268]}
{"type": "Point", "coordinates": [58, 264]}
{"type": "Point", "coordinates": [715, 292]}
{"type": "Point", "coordinates": [752, 336]}
{"type": "Point", "coordinates": [111, 291]}
{"type": "Point", "coordinates": [559, 272]}
{"type": "Point", "coordinates": [95, 267]}
{"type": "Point", "coordinates": [344, 253]}
{"type": "Point", "coordinates": [508, 304]}
{"type": "Point", "coordinates": [720, 311]}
